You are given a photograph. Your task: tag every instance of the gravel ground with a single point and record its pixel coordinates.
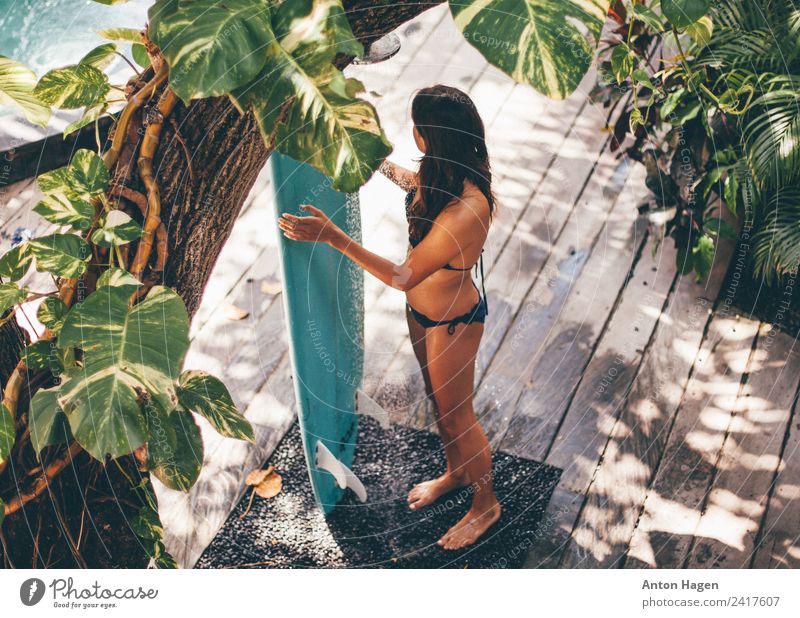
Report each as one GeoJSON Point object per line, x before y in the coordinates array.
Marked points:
{"type": "Point", "coordinates": [289, 531]}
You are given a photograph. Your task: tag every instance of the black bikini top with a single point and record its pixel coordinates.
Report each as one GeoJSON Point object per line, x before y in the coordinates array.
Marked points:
{"type": "Point", "coordinates": [413, 243]}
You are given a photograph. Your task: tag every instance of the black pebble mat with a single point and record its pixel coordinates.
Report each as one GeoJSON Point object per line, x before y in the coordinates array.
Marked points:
{"type": "Point", "coordinates": [290, 531]}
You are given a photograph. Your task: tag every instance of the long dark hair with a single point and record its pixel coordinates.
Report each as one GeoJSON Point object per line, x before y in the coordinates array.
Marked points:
{"type": "Point", "coordinates": [455, 150]}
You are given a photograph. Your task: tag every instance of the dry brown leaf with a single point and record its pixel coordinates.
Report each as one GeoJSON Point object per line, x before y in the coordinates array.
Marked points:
{"type": "Point", "coordinates": [232, 312]}
{"type": "Point", "coordinates": [270, 486]}
{"type": "Point", "coordinates": [258, 475]}
{"type": "Point", "coordinates": [271, 286]}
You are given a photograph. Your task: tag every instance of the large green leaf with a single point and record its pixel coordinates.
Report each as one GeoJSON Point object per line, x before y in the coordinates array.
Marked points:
{"type": "Point", "coordinates": [59, 209]}
{"type": "Point", "coordinates": [307, 105]}
{"type": "Point", "coordinates": [15, 262]}
{"type": "Point", "coordinates": [180, 468]}
{"type": "Point", "coordinates": [535, 41]}
{"type": "Point", "coordinates": [89, 174]}
{"type": "Point", "coordinates": [43, 354]}
{"type": "Point", "coordinates": [84, 178]}
{"type": "Point", "coordinates": [65, 255]}
{"type": "Point", "coordinates": [121, 35]}
{"type": "Point", "coordinates": [72, 87]}
{"type": "Point", "coordinates": [47, 422]}
{"type": "Point", "coordinates": [123, 350]}
{"type": "Point", "coordinates": [52, 312]}
{"type": "Point", "coordinates": [211, 47]}
{"type": "Point", "coordinates": [682, 13]}
{"type": "Point", "coordinates": [90, 114]}
{"type": "Point", "coordinates": [101, 56]}
{"type": "Point", "coordinates": [7, 433]}
{"type": "Point", "coordinates": [11, 294]}
{"type": "Point", "coordinates": [118, 229]}
{"type": "Point", "coordinates": [206, 395]}
{"type": "Point", "coordinates": [16, 88]}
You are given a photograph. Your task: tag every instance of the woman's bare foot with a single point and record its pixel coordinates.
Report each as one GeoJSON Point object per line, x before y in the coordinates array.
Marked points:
{"type": "Point", "coordinates": [471, 527]}
{"type": "Point", "coordinates": [429, 492]}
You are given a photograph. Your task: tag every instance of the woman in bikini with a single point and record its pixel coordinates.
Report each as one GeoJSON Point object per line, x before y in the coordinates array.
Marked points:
{"type": "Point", "coordinates": [449, 206]}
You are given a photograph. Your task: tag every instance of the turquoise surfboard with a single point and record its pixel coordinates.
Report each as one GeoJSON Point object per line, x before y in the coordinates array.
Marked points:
{"type": "Point", "coordinates": [323, 301]}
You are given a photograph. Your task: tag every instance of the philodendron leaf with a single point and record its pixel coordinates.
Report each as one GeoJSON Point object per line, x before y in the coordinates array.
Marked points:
{"type": "Point", "coordinates": [16, 88]}
{"type": "Point", "coordinates": [211, 47]}
{"type": "Point", "coordinates": [90, 114]}
{"type": "Point", "coordinates": [52, 312]}
{"type": "Point", "coordinates": [89, 174]}
{"type": "Point", "coordinates": [682, 13]}
{"type": "Point", "coordinates": [101, 56]}
{"type": "Point", "coordinates": [43, 354]}
{"type": "Point", "coordinates": [72, 87]}
{"type": "Point", "coordinates": [307, 105]}
{"type": "Point", "coordinates": [206, 395]}
{"type": "Point", "coordinates": [65, 255]}
{"type": "Point", "coordinates": [7, 432]}
{"type": "Point", "coordinates": [46, 420]}
{"type": "Point", "coordinates": [59, 209]}
{"type": "Point", "coordinates": [15, 262]}
{"type": "Point", "coordinates": [180, 470]}
{"type": "Point", "coordinates": [534, 41]}
{"type": "Point", "coordinates": [121, 35]}
{"type": "Point", "coordinates": [84, 178]}
{"type": "Point", "coordinates": [123, 350]}
{"type": "Point", "coordinates": [703, 256]}
{"type": "Point", "coordinates": [118, 229]}
{"type": "Point", "coordinates": [140, 56]}
{"type": "Point", "coordinates": [116, 277]}
{"type": "Point", "coordinates": [11, 294]}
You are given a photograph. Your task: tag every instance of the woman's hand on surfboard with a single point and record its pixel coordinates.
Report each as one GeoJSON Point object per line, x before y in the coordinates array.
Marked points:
{"type": "Point", "coordinates": [316, 227]}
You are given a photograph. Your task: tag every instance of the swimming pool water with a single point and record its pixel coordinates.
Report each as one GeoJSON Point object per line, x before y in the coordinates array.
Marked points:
{"type": "Point", "coordinates": [46, 34]}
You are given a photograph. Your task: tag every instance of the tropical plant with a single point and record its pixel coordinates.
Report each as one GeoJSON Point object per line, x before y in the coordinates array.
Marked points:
{"type": "Point", "coordinates": [717, 117]}
{"type": "Point", "coordinates": [109, 362]}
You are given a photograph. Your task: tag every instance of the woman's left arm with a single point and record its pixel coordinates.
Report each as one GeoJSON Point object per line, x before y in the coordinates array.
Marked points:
{"type": "Point", "coordinates": [436, 249]}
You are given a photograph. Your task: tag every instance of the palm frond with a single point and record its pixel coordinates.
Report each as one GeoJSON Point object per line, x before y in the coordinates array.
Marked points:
{"type": "Point", "coordinates": [771, 134]}
{"type": "Point", "coordinates": [776, 244]}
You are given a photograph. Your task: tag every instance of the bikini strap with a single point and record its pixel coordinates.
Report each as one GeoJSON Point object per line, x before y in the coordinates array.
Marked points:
{"type": "Point", "coordinates": [485, 300]}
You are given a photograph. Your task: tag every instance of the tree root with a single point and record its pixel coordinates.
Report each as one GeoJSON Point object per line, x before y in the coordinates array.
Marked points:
{"type": "Point", "coordinates": [147, 152]}
{"type": "Point", "coordinates": [135, 102]}
{"type": "Point", "coordinates": [52, 470]}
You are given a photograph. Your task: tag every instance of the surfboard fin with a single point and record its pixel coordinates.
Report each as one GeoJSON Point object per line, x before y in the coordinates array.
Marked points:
{"type": "Point", "coordinates": [369, 407]}
{"type": "Point", "coordinates": [344, 476]}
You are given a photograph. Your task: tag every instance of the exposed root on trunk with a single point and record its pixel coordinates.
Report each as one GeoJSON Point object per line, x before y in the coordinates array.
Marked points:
{"type": "Point", "coordinates": [42, 482]}
{"type": "Point", "coordinates": [147, 152]}
{"type": "Point", "coordinates": [136, 101]}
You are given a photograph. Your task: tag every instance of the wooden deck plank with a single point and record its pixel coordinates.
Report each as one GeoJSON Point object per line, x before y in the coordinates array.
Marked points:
{"type": "Point", "coordinates": [778, 544]}
{"type": "Point", "coordinates": [592, 291]}
{"type": "Point", "coordinates": [598, 399]}
{"type": "Point", "coordinates": [522, 323]}
{"type": "Point", "coordinates": [606, 521]}
{"type": "Point", "coordinates": [607, 378]}
{"type": "Point", "coordinates": [647, 412]}
{"type": "Point", "coordinates": [726, 534]}
{"type": "Point", "coordinates": [673, 504]}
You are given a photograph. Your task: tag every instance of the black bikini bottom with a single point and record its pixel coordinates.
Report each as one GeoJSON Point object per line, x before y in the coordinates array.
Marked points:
{"type": "Point", "coordinates": [476, 314]}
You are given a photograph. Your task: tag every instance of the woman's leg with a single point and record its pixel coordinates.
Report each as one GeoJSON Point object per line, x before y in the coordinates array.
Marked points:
{"type": "Point", "coordinates": [429, 491]}
{"type": "Point", "coordinates": [451, 367]}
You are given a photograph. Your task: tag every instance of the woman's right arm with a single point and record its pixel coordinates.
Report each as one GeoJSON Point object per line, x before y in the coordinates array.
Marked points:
{"type": "Point", "coordinates": [402, 177]}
